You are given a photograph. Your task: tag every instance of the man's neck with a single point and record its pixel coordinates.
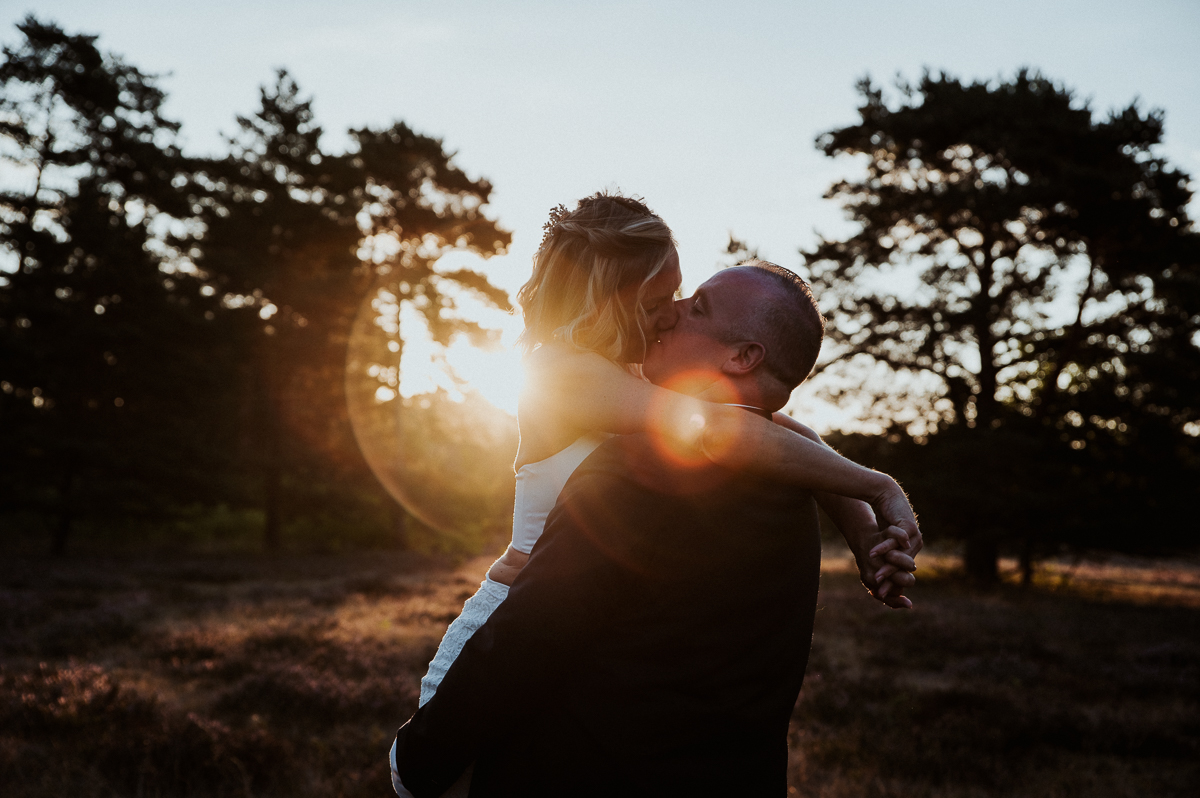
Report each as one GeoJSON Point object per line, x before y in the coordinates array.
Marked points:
{"type": "Point", "coordinates": [725, 392]}
{"type": "Point", "coordinates": [759, 410]}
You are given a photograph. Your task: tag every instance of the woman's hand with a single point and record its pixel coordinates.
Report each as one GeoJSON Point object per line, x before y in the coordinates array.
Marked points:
{"type": "Point", "coordinates": [894, 515]}
{"type": "Point", "coordinates": [888, 569]}
{"type": "Point", "coordinates": [885, 558]}
{"type": "Point", "coordinates": [883, 535]}
{"type": "Point", "coordinates": [893, 558]}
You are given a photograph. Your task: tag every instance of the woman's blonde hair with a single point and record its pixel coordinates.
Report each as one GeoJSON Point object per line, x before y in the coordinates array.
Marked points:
{"type": "Point", "coordinates": [608, 244]}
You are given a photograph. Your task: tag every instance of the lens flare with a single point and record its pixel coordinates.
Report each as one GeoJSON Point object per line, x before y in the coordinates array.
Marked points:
{"type": "Point", "coordinates": [682, 432]}
{"type": "Point", "coordinates": [439, 447]}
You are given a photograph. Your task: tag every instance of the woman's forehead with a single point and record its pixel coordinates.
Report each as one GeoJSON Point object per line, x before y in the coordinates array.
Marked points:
{"type": "Point", "coordinates": [669, 277]}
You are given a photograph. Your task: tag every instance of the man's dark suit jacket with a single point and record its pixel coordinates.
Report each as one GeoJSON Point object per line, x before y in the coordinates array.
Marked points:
{"type": "Point", "coordinates": [653, 645]}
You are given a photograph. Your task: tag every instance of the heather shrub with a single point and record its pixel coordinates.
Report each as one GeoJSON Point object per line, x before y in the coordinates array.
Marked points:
{"type": "Point", "coordinates": [73, 730]}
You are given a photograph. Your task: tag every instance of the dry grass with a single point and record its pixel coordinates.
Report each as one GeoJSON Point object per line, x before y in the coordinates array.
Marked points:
{"type": "Point", "coordinates": [1074, 687]}
{"type": "Point", "coordinates": [210, 676]}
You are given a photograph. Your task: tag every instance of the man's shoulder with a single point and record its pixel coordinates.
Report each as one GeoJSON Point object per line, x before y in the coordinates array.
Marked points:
{"type": "Point", "coordinates": [638, 470]}
{"type": "Point", "coordinates": [636, 463]}
{"type": "Point", "coordinates": [624, 465]}
{"type": "Point", "coordinates": [620, 455]}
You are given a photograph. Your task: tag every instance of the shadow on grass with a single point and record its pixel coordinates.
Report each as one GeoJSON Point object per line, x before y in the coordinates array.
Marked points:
{"type": "Point", "coordinates": [206, 676]}
{"type": "Point", "coordinates": [1013, 692]}
{"type": "Point", "coordinates": [272, 677]}
{"type": "Point", "coordinates": [78, 733]}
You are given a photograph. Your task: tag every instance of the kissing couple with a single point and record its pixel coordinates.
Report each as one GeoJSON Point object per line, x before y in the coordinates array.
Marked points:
{"type": "Point", "coordinates": [647, 631]}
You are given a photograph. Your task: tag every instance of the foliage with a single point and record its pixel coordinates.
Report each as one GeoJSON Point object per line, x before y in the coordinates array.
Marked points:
{"type": "Point", "coordinates": [1033, 496]}
{"type": "Point", "coordinates": [999, 204]}
{"type": "Point", "coordinates": [99, 343]}
{"type": "Point", "coordinates": [174, 331]}
{"type": "Point", "coordinates": [295, 238]}
{"type": "Point", "coordinates": [87, 715]}
{"type": "Point", "coordinates": [1030, 692]}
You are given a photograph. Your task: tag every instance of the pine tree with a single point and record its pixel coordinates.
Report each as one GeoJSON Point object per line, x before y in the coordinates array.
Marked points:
{"type": "Point", "coordinates": [1007, 200]}
{"type": "Point", "coordinates": [296, 239]}
{"type": "Point", "coordinates": [100, 398]}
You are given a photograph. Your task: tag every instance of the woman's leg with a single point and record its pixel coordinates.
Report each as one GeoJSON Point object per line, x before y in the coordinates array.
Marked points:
{"type": "Point", "coordinates": [475, 611]}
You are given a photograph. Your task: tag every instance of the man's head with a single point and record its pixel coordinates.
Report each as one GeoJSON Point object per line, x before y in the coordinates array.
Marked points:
{"type": "Point", "coordinates": [752, 332]}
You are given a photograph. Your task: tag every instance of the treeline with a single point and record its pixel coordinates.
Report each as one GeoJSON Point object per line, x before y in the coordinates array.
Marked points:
{"type": "Point", "coordinates": [174, 329]}
{"type": "Point", "coordinates": [1026, 283]}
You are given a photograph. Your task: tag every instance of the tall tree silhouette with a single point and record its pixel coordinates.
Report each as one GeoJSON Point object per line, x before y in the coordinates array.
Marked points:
{"type": "Point", "coordinates": [1009, 201]}
{"type": "Point", "coordinates": [100, 402]}
{"type": "Point", "coordinates": [296, 238]}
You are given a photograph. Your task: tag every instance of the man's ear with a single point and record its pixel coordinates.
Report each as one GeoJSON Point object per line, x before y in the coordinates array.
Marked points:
{"type": "Point", "coordinates": [745, 358]}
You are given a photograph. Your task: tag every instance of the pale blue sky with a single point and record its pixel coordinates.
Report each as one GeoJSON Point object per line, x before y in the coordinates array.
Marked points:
{"type": "Point", "coordinates": [708, 110]}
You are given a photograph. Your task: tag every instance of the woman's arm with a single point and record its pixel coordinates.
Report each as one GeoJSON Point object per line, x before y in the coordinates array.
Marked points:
{"type": "Point", "coordinates": [586, 391]}
{"type": "Point", "coordinates": [885, 563]}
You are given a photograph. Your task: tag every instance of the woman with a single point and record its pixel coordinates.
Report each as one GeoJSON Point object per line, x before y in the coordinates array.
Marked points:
{"type": "Point", "coordinates": [603, 285]}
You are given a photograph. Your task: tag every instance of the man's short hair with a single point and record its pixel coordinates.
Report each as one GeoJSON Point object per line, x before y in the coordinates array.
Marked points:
{"type": "Point", "coordinates": [789, 325]}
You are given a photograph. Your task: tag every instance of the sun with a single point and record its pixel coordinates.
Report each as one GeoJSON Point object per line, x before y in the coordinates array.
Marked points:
{"type": "Point", "coordinates": [495, 373]}
{"type": "Point", "coordinates": [436, 424]}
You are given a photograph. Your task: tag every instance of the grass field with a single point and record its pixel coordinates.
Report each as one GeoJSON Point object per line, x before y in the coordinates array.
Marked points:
{"type": "Point", "coordinates": [189, 676]}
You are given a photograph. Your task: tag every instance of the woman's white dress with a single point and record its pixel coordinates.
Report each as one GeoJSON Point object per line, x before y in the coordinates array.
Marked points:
{"type": "Point", "coordinates": [538, 486]}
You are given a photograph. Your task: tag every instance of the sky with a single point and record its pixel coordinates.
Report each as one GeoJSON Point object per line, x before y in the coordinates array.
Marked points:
{"type": "Point", "coordinates": [707, 110]}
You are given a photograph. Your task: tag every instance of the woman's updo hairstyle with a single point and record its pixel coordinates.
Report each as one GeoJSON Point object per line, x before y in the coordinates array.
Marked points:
{"type": "Point", "coordinates": [608, 245]}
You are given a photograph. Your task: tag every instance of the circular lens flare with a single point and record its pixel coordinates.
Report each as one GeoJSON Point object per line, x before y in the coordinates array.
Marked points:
{"type": "Point", "coordinates": [442, 450]}
{"type": "Point", "coordinates": [681, 431]}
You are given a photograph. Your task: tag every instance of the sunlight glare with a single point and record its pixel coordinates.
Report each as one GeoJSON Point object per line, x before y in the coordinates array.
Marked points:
{"type": "Point", "coordinates": [678, 439]}
{"type": "Point", "coordinates": [496, 374]}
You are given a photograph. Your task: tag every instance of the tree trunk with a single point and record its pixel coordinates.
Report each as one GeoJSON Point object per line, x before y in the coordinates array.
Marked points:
{"type": "Point", "coordinates": [66, 515]}
{"type": "Point", "coordinates": [1027, 561]}
{"type": "Point", "coordinates": [272, 445]}
{"type": "Point", "coordinates": [985, 402]}
{"type": "Point", "coordinates": [980, 559]}
{"type": "Point", "coordinates": [272, 480]}
{"type": "Point", "coordinates": [981, 556]}
{"type": "Point", "coordinates": [400, 524]}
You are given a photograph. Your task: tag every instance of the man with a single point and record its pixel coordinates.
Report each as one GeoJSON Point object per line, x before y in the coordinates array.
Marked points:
{"type": "Point", "coordinates": [656, 641]}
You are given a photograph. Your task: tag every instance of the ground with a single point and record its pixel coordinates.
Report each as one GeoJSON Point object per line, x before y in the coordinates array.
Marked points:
{"type": "Point", "coordinates": [185, 675]}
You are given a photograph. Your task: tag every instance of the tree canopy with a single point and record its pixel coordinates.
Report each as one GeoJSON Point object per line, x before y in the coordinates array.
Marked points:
{"type": "Point", "coordinates": [1053, 273]}
{"type": "Point", "coordinates": [174, 329]}
{"type": "Point", "coordinates": [96, 339]}
{"type": "Point", "coordinates": [295, 238]}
